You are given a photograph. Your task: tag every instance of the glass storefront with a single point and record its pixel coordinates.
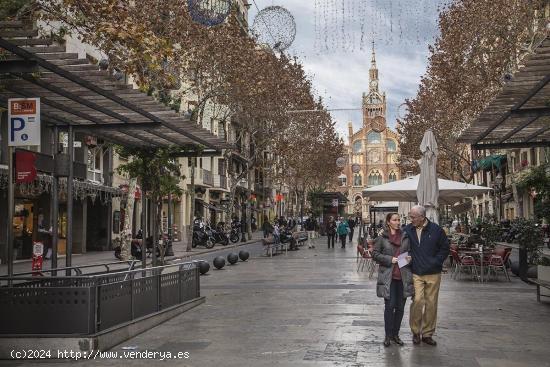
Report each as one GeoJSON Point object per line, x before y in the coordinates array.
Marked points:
{"type": "Point", "coordinates": [31, 224]}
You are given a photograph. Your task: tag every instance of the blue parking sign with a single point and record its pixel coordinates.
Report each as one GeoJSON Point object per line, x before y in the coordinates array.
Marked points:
{"type": "Point", "coordinates": [23, 122]}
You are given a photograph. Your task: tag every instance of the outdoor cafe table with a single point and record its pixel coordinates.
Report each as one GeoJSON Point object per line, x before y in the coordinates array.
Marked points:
{"type": "Point", "coordinates": [478, 253]}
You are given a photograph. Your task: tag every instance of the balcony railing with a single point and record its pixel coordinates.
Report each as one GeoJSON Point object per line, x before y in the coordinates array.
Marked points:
{"type": "Point", "coordinates": [207, 177]}
{"type": "Point", "coordinates": [220, 182]}
{"type": "Point", "coordinates": [202, 177]}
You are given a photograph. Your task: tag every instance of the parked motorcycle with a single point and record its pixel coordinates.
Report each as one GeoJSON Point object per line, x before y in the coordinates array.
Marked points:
{"type": "Point", "coordinates": [200, 235]}
{"type": "Point", "coordinates": [235, 233]}
{"type": "Point", "coordinates": [218, 234]}
{"type": "Point", "coordinates": [135, 246]}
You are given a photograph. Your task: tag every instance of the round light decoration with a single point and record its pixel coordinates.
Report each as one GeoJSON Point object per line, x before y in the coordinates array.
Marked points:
{"type": "Point", "coordinates": [209, 12]}
{"type": "Point", "coordinates": [275, 27]}
{"type": "Point", "coordinates": [355, 168]}
{"type": "Point", "coordinates": [402, 111]}
{"type": "Point", "coordinates": [341, 162]}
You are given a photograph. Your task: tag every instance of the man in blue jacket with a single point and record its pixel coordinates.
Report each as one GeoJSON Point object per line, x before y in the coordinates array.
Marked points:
{"type": "Point", "coordinates": [429, 249]}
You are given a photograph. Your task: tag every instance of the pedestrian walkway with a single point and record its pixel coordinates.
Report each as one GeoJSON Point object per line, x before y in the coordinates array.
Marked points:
{"type": "Point", "coordinates": [104, 257]}
{"type": "Point", "coordinates": [312, 308]}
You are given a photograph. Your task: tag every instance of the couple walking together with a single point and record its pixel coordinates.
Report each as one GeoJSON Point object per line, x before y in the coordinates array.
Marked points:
{"type": "Point", "coordinates": [419, 277]}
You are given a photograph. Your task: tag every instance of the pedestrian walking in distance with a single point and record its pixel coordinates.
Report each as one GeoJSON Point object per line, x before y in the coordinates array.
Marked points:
{"type": "Point", "coordinates": [429, 249]}
{"type": "Point", "coordinates": [331, 231]}
{"type": "Point", "coordinates": [343, 231]}
{"type": "Point", "coordinates": [267, 228]}
{"type": "Point", "coordinates": [394, 284]}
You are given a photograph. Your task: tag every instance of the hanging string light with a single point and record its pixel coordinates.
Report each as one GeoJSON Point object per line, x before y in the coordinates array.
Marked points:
{"type": "Point", "coordinates": [81, 189]}
{"type": "Point", "coordinates": [337, 22]}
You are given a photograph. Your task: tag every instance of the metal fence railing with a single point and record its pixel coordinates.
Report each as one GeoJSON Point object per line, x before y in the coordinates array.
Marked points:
{"type": "Point", "coordinates": [90, 303]}
{"type": "Point", "coordinates": [89, 269]}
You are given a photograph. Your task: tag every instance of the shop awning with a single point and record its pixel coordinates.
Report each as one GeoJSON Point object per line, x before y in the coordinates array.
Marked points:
{"type": "Point", "coordinates": [488, 163]}
{"type": "Point", "coordinates": [74, 91]}
{"type": "Point", "coordinates": [519, 116]}
{"type": "Point", "coordinates": [327, 196]}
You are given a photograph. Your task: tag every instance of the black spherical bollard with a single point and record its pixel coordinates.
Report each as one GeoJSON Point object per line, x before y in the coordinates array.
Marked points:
{"type": "Point", "coordinates": [514, 266]}
{"type": "Point", "coordinates": [244, 255]}
{"type": "Point", "coordinates": [219, 262]}
{"type": "Point", "coordinates": [232, 258]}
{"type": "Point", "coordinates": [204, 266]}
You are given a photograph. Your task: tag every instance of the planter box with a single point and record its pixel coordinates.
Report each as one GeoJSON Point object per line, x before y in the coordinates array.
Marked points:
{"type": "Point", "coordinates": [544, 274]}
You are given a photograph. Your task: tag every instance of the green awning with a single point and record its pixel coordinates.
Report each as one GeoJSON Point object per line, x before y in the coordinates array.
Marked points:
{"type": "Point", "coordinates": [488, 163]}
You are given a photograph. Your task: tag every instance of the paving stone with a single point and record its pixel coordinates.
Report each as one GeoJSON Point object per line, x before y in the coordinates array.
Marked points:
{"type": "Point", "coordinates": [311, 308]}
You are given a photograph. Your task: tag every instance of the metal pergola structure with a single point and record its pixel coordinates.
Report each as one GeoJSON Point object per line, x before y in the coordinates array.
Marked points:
{"type": "Point", "coordinates": [519, 116]}
{"type": "Point", "coordinates": [77, 95]}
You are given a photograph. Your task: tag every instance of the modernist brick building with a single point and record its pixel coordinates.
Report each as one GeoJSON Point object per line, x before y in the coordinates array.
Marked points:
{"type": "Point", "coordinates": [371, 151]}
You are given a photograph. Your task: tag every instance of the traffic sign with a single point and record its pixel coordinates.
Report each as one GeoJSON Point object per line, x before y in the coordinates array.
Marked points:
{"type": "Point", "coordinates": [23, 122]}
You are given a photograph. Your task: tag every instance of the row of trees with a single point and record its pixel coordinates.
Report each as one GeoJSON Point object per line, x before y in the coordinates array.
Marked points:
{"type": "Point", "coordinates": [227, 75]}
{"type": "Point", "coordinates": [481, 43]}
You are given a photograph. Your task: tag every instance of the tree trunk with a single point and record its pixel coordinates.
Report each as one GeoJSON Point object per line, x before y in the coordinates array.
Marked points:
{"type": "Point", "coordinates": [302, 204]}
{"type": "Point", "coordinates": [192, 211]}
{"type": "Point", "coordinates": [248, 206]}
{"type": "Point", "coordinates": [518, 199]}
{"type": "Point", "coordinates": [158, 220]}
{"type": "Point", "coordinates": [232, 190]}
{"type": "Point", "coordinates": [126, 235]}
{"type": "Point", "coordinates": [154, 207]}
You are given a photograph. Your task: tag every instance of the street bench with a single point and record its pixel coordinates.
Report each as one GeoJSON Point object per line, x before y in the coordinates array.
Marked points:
{"type": "Point", "coordinates": [540, 283]}
{"type": "Point", "coordinates": [272, 247]}
{"type": "Point", "coordinates": [300, 237]}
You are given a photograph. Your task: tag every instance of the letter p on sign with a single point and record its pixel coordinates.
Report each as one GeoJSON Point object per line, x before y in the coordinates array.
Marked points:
{"type": "Point", "coordinates": [17, 124]}
{"type": "Point", "coordinates": [23, 121]}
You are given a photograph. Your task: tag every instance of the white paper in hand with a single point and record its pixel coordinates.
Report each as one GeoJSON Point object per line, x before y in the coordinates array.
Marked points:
{"type": "Point", "coordinates": [402, 259]}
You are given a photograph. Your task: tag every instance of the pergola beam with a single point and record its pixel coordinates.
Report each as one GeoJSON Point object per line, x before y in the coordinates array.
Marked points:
{"type": "Point", "coordinates": [78, 99]}
{"type": "Point", "coordinates": [18, 66]}
{"type": "Point", "coordinates": [532, 112]}
{"type": "Point", "coordinates": [516, 107]}
{"type": "Point", "coordinates": [510, 145]}
{"type": "Point", "coordinates": [519, 128]}
{"type": "Point", "coordinates": [542, 130]}
{"type": "Point", "coordinates": [86, 84]}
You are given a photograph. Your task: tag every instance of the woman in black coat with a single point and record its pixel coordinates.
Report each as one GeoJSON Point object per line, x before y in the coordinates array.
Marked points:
{"type": "Point", "coordinates": [331, 231]}
{"type": "Point", "coordinates": [394, 284]}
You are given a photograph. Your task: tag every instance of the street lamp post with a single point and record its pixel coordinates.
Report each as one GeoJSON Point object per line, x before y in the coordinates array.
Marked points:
{"type": "Point", "coordinates": [497, 185]}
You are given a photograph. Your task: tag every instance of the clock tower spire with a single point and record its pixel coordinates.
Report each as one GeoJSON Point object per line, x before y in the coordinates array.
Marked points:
{"type": "Point", "coordinates": [374, 103]}
{"type": "Point", "coordinates": [373, 72]}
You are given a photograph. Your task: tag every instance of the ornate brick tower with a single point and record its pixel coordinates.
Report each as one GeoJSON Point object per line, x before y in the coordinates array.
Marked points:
{"type": "Point", "coordinates": [372, 151]}
{"type": "Point", "coordinates": [374, 103]}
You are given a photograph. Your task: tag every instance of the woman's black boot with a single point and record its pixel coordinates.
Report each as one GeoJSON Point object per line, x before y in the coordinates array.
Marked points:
{"type": "Point", "coordinates": [398, 340]}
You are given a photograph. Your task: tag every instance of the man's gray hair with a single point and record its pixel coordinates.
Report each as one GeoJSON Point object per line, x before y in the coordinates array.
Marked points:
{"type": "Point", "coordinates": [419, 209]}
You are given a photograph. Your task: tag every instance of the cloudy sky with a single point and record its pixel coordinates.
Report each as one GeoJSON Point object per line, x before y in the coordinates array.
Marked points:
{"type": "Point", "coordinates": [334, 41]}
